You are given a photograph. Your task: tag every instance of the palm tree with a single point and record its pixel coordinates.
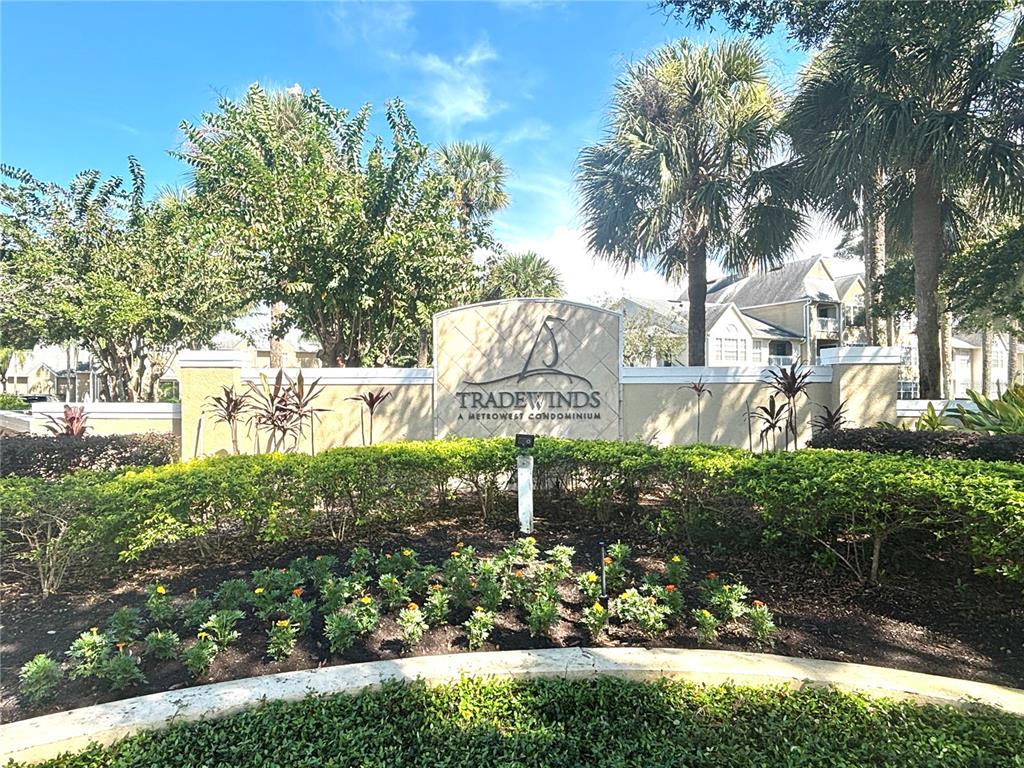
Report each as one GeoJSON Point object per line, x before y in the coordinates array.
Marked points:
{"type": "Point", "coordinates": [478, 178]}
{"type": "Point", "coordinates": [683, 173]}
{"type": "Point", "coordinates": [516, 275]}
{"type": "Point", "coordinates": [926, 93]}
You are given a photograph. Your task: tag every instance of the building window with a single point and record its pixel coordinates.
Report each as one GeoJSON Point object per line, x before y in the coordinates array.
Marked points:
{"type": "Point", "coordinates": [757, 351]}
{"type": "Point", "coordinates": [907, 390]}
{"type": "Point", "coordinates": [731, 350]}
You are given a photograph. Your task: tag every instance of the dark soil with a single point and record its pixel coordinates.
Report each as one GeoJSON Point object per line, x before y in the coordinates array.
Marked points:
{"type": "Point", "coordinates": [926, 617]}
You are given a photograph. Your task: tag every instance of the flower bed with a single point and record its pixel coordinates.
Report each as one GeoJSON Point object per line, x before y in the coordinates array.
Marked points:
{"type": "Point", "coordinates": [602, 722]}
{"type": "Point", "coordinates": [336, 605]}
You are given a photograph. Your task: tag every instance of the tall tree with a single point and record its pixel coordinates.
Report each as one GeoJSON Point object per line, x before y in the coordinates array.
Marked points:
{"type": "Point", "coordinates": [808, 22]}
{"type": "Point", "coordinates": [683, 174]}
{"type": "Point", "coordinates": [477, 176]}
{"type": "Point", "coordinates": [132, 282]}
{"type": "Point", "coordinates": [927, 93]}
{"type": "Point", "coordinates": [362, 244]}
{"type": "Point", "coordinates": [521, 275]}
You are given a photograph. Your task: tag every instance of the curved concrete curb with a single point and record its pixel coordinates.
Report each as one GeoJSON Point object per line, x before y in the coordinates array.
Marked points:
{"type": "Point", "coordinates": [42, 738]}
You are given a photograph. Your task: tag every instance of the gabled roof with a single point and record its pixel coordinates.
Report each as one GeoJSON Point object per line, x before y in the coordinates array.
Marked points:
{"type": "Point", "coordinates": [759, 329]}
{"type": "Point", "coordinates": [843, 283]}
{"type": "Point", "coordinates": [793, 281]}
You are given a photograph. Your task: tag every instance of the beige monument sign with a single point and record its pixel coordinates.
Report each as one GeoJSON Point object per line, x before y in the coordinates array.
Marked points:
{"type": "Point", "coordinates": [541, 366]}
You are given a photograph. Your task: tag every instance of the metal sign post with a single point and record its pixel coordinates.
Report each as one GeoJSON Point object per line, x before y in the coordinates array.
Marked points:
{"type": "Point", "coordinates": [524, 470]}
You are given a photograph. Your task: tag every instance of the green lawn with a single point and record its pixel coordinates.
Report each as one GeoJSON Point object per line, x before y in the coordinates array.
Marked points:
{"type": "Point", "coordinates": [606, 722]}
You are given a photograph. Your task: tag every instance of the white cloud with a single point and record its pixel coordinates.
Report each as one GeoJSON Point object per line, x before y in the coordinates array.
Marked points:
{"type": "Point", "coordinates": [375, 23]}
{"type": "Point", "coordinates": [589, 280]}
{"type": "Point", "coordinates": [531, 129]}
{"type": "Point", "coordinates": [454, 91]}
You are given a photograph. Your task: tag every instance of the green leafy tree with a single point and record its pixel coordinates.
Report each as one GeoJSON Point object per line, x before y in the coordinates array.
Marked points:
{"type": "Point", "coordinates": [927, 93]}
{"type": "Point", "coordinates": [131, 282]}
{"type": "Point", "coordinates": [644, 340]}
{"type": "Point", "coordinates": [516, 275]}
{"type": "Point", "coordinates": [808, 21]}
{"type": "Point", "coordinates": [683, 174]}
{"type": "Point", "coordinates": [362, 244]}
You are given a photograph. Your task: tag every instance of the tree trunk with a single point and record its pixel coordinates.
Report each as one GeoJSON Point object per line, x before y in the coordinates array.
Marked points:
{"type": "Point", "coordinates": [946, 347]}
{"type": "Point", "coordinates": [986, 361]}
{"type": "Point", "coordinates": [874, 257]}
{"type": "Point", "coordinates": [1011, 354]}
{"type": "Point", "coordinates": [697, 293]}
{"type": "Point", "coordinates": [927, 247]}
{"type": "Point", "coordinates": [423, 354]}
{"type": "Point", "coordinates": [276, 310]}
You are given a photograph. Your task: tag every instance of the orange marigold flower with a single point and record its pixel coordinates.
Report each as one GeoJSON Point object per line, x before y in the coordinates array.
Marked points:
{"type": "Point", "coordinates": [712, 575]}
{"type": "Point", "coordinates": [412, 607]}
{"type": "Point", "coordinates": [758, 604]}
{"type": "Point", "coordinates": [436, 587]}
{"type": "Point", "coordinates": [519, 574]}
{"type": "Point", "coordinates": [298, 591]}
{"type": "Point", "coordinates": [670, 588]}
{"type": "Point", "coordinates": [651, 600]}
{"type": "Point", "coordinates": [608, 560]}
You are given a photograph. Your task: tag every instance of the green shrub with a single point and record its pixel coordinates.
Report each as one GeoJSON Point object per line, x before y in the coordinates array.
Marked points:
{"type": "Point", "coordinates": [412, 625]}
{"type": "Point", "coordinates": [281, 639]}
{"type": "Point", "coordinates": [88, 652]}
{"type": "Point", "coordinates": [198, 657]}
{"type": "Point", "coordinates": [125, 625]}
{"type": "Point", "coordinates": [933, 444]}
{"type": "Point", "coordinates": [221, 627]}
{"type": "Point", "coordinates": [162, 644]}
{"type": "Point", "coordinates": [570, 723]}
{"type": "Point", "coordinates": [478, 627]}
{"type": "Point", "coordinates": [846, 505]}
{"type": "Point", "coordinates": [52, 457]}
{"type": "Point", "coordinates": [38, 678]}
{"type": "Point", "coordinates": [121, 670]}
{"type": "Point", "coordinates": [12, 402]}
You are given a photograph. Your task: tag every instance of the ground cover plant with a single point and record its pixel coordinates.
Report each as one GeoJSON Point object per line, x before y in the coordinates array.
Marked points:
{"type": "Point", "coordinates": [336, 604]}
{"type": "Point", "coordinates": [601, 722]}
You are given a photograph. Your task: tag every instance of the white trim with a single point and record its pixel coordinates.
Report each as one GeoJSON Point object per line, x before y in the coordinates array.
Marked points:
{"type": "Point", "coordinates": [347, 376]}
{"type": "Point", "coordinates": [861, 356]}
{"type": "Point", "coordinates": [214, 358]}
{"type": "Point", "coordinates": [750, 374]}
{"type": "Point", "coordinates": [102, 410]}
{"type": "Point", "coordinates": [45, 737]}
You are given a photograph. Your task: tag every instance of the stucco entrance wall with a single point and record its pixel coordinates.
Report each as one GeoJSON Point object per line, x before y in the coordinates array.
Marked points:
{"type": "Point", "coordinates": [528, 365]}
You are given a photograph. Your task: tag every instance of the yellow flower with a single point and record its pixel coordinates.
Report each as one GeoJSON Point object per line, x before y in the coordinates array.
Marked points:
{"type": "Point", "coordinates": [460, 545]}
{"type": "Point", "coordinates": [479, 609]}
{"type": "Point", "coordinates": [387, 556]}
{"type": "Point", "coordinates": [598, 608]}
{"type": "Point", "coordinates": [725, 587]}
{"type": "Point", "coordinates": [530, 540]}
{"type": "Point", "coordinates": [591, 577]}
{"type": "Point", "coordinates": [365, 599]}
{"type": "Point", "coordinates": [651, 600]}
{"type": "Point", "coordinates": [676, 559]}
{"type": "Point", "coordinates": [161, 589]}
{"type": "Point", "coordinates": [406, 553]}
{"type": "Point", "coordinates": [194, 592]}
{"type": "Point", "coordinates": [258, 590]}
{"type": "Point", "coordinates": [94, 630]}
{"type": "Point", "coordinates": [203, 635]}
{"type": "Point", "coordinates": [120, 647]}
{"type": "Point", "coordinates": [705, 612]}
{"type": "Point", "coordinates": [282, 623]}
{"type": "Point", "coordinates": [412, 607]}
{"type": "Point", "coordinates": [455, 553]}
{"type": "Point", "coordinates": [319, 557]}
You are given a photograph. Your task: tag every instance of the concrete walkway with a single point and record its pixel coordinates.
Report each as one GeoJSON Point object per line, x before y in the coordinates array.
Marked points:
{"type": "Point", "coordinates": [45, 737]}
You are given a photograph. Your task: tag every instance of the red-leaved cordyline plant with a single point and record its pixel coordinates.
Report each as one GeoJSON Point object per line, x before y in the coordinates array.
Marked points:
{"type": "Point", "coordinates": [774, 418]}
{"type": "Point", "coordinates": [281, 409]}
{"type": "Point", "coordinates": [228, 408]}
{"type": "Point", "coordinates": [699, 388]}
{"type": "Point", "coordinates": [371, 400]}
{"type": "Point", "coordinates": [71, 424]}
{"type": "Point", "coordinates": [790, 383]}
{"type": "Point", "coordinates": [830, 419]}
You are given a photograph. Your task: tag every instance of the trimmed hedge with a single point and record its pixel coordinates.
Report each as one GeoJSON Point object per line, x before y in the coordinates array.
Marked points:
{"type": "Point", "coordinates": [51, 457]}
{"type": "Point", "coordinates": [555, 723]}
{"type": "Point", "coordinates": [935, 444]}
{"type": "Point", "coordinates": [848, 505]}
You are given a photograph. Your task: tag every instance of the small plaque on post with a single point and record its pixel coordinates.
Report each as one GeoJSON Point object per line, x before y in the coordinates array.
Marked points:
{"type": "Point", "coordinates": [524, 442]}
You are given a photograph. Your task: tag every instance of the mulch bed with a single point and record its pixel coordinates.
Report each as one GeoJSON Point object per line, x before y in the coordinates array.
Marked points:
{"type": "Point", "coordinates": [926, 617]}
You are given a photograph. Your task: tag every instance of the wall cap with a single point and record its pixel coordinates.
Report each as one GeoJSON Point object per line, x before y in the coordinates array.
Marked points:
{"type": "Point", "coordinates": [214, 358]}
{"type": "Point", "coordinates": [680, 374]}
{"type": "Point", "coordinates": [105, 410]}
{"type": "Point", "coordinates": [914, 408]}
{"type": "Point", "coordinates": [350, 376]}
{"type": "Point", "coordinates": [45, 737]}
{"type": "Point", "coordinates": [527, 300]}
{"type": "Point", "coordinates": [861, 356]}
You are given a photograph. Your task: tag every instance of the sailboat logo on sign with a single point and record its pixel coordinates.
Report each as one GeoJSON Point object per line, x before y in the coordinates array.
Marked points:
{"type": "Point", "coordinates": [542, 363]}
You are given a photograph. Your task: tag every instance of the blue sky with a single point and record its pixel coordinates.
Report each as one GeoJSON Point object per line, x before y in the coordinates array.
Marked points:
{"type": "Point", "coordinates": [86, 84]}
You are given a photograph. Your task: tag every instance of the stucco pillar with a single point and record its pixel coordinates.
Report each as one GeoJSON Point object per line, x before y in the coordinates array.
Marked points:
{"type": "Point", "coordinates": [865, 378]}
{"type": "Point", "coordinates": [203, 373]}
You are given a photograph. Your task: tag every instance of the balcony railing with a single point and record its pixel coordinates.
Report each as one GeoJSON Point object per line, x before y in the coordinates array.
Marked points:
{"type": "Point", "coordinates": [828, 325]}
{"type": "Point", "coordinates": [783, 360]}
